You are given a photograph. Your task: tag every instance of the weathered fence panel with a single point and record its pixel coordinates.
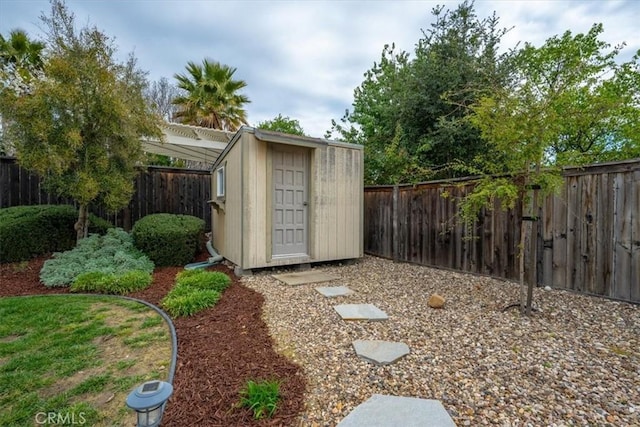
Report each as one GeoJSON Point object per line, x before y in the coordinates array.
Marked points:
{"type": "Point", "coordinates": [588, 235]}
{"type": "Point", "coordinates": [157, 190]}
{"type": "Point", "coordinates": [427, 230]}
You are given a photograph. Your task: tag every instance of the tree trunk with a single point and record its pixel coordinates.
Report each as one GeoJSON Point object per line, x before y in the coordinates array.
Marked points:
{"type": "Point", "coordinates": [523, 237]}
{"type": "Point", "coordinates": [533, 249]}
{"type": "Point", "coordinates": [82, 226]}
{"type": "Point", "coordinates": [533, 246]}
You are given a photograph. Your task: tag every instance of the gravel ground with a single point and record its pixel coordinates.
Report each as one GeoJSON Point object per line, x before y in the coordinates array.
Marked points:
{"type": "Point", "coordinates": [574, 362]}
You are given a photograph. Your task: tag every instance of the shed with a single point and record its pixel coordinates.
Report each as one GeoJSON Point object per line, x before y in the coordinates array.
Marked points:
{"type": "Point", "coordinates": [280, 199]}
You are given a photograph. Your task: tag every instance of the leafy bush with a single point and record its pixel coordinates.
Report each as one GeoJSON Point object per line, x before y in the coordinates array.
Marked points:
{"type": "Point", "coordinates": [98, 225]}
{"type": "Point", "coordinates": [120, 284]}
{"type": "Point", "coordinates": [169, 239]}
{"type": "Point", "coordinates": [195, 290]}
{"type": "Point", "coordinates": [262, 397]}
{"type": "Point", "coordinates": [185, 300]}
{"type": "Point", "coordinates": [29, 231]}
{"type": "Point", "coordinates": [113, 253]}
{"type": "Point", "coordinates": [202, 279]}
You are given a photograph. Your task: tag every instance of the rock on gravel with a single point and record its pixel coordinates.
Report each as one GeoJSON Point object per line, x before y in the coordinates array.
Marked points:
{"type": "Point", "coordinates": [576, 362]}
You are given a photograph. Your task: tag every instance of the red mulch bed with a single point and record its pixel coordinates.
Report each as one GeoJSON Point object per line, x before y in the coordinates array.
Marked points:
{"type": "Point", "coordinates": [219, 349]}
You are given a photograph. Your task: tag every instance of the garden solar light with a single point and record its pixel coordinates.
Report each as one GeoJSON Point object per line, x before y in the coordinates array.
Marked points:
{"type": "Point", "coordinates": [148, 401]}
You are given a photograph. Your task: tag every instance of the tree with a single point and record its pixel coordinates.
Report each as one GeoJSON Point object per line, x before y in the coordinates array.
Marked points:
{"type": "Point", "coordinates": [20, 52]}
{"type": "Point", "coordinates": [20, 60]}
{"type": "Point", "coordinates": [456, 62]}
{"type": "Point", "coordinates": [373, 122]}
{"type": "Point", "coordinates": [420, 105]}
{"type": "Point", "coordinates": [211, 96]}
{"type": "Point", "coordinates": [569, 104]}
{"type": "Point", "coordinates": [160, 95]}
{"type": "Point", "coordinates": [79, 127]}
{"type": "Point", "coordinates": [282, 124]}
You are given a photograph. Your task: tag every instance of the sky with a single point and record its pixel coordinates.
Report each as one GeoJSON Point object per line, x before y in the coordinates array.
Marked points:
{"type": "Point", "coordinates": [303, 59]}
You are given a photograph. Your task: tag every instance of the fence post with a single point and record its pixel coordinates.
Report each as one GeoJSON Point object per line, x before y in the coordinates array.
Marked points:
{"type": "Point", "coordinates": [394, 219]}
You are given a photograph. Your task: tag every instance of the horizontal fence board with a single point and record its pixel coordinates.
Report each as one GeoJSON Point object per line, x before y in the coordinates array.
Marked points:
{"type": "Point", "coordinates": [588, 235]}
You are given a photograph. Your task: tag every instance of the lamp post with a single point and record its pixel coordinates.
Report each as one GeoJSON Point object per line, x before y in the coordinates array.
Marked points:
{"type": "Point", "coordinates": [148, 401]}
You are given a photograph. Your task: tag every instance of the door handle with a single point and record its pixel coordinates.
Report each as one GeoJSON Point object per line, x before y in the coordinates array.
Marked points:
{"type": "Point", "coordinates": [305, 203]}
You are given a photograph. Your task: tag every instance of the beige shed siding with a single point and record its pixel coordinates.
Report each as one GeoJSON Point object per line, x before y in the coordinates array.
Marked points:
{"type": "Point", "coordinates": [242, 228]}
{"type": "Point", "coordinates": [255, 212]}
{"type": "Point", "coordinates": [226, 222]}
{"type": "Point", "coordinates": [337, 203]}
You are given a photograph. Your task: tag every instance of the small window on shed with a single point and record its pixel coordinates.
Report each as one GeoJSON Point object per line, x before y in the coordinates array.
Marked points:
{"type": "Point", "coordinates": [220, 182]}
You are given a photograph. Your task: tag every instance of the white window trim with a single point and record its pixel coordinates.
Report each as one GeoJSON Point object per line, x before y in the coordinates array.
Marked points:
{"type": "Point", "coordinates": [221, 182]}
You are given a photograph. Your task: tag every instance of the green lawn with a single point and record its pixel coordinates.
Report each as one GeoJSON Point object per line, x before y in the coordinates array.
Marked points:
{"type": "Point", "coordinates": [74, 358]}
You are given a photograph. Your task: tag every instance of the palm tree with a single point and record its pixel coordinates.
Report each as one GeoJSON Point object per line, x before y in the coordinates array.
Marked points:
{"type": "Point", "coordinates": [19, 51]}
{"type": "Point", "coordinates": [20, 58]}
{"type": "Point", "coordinates": [211, 98]}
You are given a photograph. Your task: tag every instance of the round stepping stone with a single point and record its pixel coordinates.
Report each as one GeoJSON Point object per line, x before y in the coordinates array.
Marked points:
{"type": "Point", "coordinates": [392, 411]}
{"type": "Point", "coordinates": [360, 312]}
{"type": "Point", "coordinates": [334, 291]}
{"type": "Point", "coordinates": [380, 352]}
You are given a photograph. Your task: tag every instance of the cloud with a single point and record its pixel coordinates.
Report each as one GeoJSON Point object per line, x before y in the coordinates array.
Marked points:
{"type": "Point", "coordinates": [304, 58]}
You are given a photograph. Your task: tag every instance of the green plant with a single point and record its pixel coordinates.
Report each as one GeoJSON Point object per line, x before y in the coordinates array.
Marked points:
{"type": "Point", "coordinates": [98, 225]}
{"type": "Point", "coordinates": [202, 279]}
{"type": "Point", "coordinates": [29, 231]}
{"type": "Point", "coordinates": [261, 397]}
{"type": "Point", "coordinates": [184, 300]}
{"type": "Point", "coordinates": [120, 284]}
{"type": "Point", "coordinates": [194, 291]}
{"type": "Point", "coordinates": [153, 233]}
{"type": "Point", "coordinates": [113, 253]}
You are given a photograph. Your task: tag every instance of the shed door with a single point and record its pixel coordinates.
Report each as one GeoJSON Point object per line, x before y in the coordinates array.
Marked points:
{"type": "Point", "coordinates": [290, 175]}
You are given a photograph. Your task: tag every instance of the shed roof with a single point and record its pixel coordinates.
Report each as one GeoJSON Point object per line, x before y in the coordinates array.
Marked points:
{"type": "Point", "coordinates": [284, 138]}
{"type": "Point", "coordinates": [206, 145]}
{"type": "Point", "coordinates": [189, 142]}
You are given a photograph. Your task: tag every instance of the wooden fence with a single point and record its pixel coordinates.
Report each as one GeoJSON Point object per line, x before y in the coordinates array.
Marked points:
{"type": "Point", "coordinates": [588, 235]}
{"type": "Point", "coordinates": [157, 190]}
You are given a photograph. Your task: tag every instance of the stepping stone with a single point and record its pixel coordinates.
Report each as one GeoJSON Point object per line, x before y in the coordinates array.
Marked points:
{"type": "Point", "coordinates": [334, 291]}
{"type": "Point", "coordinates": [380, 352]}
{"type": "Point", "coordinates": [360, 312]}
{"type": "Point", "coordinates": [304, 277]}
{"type": "Point", "coordinates": [392, 411]}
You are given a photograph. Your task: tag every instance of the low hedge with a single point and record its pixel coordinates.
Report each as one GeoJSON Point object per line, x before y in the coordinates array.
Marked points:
{"type": "Point", "coordinates": [202, 279]}
{"type": "Point", "coordinates": [194, 291]}
{"type": "Point", "coordinates": [169, 239]}
{"type": "Point", "coordinates": [119, 284]}
{"type": "Point", "coordinates": [29, 231]}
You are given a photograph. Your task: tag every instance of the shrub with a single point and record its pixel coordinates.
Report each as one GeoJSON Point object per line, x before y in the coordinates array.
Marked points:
{"type": "Point", "coordinates": [195, 290]}
{"type": "Point", "coordinates": [98, 225]}
{"type": "Point", "coordinates": [169, 239]}
{"type": "Point", "coordinates": [202, 279]}
{"type": "Point", "coordinates": [119, 284]}
{"type": "Point", "coordinates": [184, 300]}
{"type": "Point", "coordinates": [262, 397]}
{"type": "Point", "coordinates": [113, 253]}
{"type": "Point", "coordinates": [29, 231]}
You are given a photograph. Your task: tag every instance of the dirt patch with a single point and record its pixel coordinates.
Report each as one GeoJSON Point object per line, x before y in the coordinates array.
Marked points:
{"type": "Point", "coordinates": [219, 349]}
{"type": "Point", "coordinates": [9, 339]}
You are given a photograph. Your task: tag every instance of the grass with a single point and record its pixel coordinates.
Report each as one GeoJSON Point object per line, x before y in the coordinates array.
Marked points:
{"type": "Point", "coordinates": [75, 358]}
{"type": "Point", "coordinates": [261, 397]}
